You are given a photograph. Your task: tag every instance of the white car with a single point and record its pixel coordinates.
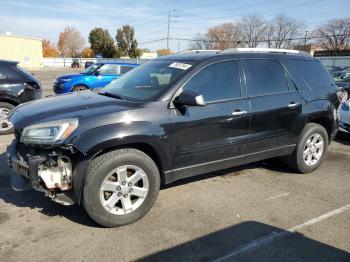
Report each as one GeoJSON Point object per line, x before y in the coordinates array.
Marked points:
{"type": "Point", "coordinates": [344, 121]}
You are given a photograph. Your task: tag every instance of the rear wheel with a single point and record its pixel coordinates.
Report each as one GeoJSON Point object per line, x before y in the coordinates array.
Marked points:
{"type": "Point", "coordinates": [120, 187]}
{"type": "Point", "coordinates": [311, 149]}
{"type": "Point", "coordinates": [79, 88]}
{"type": "Point", "coordinates": [5, 126]}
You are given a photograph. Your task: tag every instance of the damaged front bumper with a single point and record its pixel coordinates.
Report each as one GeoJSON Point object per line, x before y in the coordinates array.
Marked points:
{"type": "Point", "coordinates": [46, 170]}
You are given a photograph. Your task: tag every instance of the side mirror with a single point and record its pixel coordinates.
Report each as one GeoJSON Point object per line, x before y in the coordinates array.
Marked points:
{"type": "Point", "coordinates": [96, 73]}
{"type": "Point", "coordinates": [189, 98]}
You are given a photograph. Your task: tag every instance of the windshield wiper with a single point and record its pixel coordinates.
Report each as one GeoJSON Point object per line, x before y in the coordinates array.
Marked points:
{"type": "Point", "coordinates": [104, 93]}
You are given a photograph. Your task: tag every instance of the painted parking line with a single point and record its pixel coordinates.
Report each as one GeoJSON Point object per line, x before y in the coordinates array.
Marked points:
{"type": "Point", "coordinates": [278, 196]}
{"type": "Point", "coordinates": [263, 241]}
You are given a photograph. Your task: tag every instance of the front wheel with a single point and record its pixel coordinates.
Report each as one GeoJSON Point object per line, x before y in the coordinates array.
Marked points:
{"type": "Point", "coordinates": [120, 187]}
{"type": "Point", "coordinates": [311, 149]}
{"type": "Point", "coordinates": [5, 126]}
{"type": "Point", "coordinates": [79, 88]}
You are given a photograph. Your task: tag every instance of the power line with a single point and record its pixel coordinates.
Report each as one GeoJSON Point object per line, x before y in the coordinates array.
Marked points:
{"type": "Point", "coordinates": [263, 40]}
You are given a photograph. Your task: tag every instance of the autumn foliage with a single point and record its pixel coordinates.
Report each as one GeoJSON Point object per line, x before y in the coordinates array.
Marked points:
{"type": "Point", "coordinates": [87, 53]}
{"type": "Point", "coordinates": [49, 49]}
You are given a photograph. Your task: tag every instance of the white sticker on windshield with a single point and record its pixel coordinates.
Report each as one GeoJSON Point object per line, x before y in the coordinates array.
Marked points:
{"type": "Point", "coordinates": [181, 66]}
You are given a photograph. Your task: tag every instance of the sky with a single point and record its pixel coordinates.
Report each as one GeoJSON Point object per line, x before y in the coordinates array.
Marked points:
{"type": "Point", "coordinates": [46, 19]}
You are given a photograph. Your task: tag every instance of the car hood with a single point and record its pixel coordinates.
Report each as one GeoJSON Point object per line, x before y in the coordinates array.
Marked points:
{"type": "Point", "coordinates": [69, 76]}
{"type": "Point", "coordinates": [79, 105]}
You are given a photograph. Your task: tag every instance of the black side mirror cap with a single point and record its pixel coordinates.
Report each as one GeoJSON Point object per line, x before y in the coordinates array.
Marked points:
{"type": "Point", "coordinates": [189, 98]}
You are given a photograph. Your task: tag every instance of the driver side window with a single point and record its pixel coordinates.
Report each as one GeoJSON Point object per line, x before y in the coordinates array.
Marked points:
{"type": "Point", "coordinates": [108, 69]}
{"type": "Point", "coordinates": [218, 81]}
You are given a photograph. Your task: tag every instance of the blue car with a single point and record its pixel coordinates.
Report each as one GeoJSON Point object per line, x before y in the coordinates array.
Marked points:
{"type": "Point", "coordinates": [95, 76]}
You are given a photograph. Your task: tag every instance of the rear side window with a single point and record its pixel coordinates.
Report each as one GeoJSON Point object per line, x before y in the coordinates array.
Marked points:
{"type": "Point", "coordinates": [313, 72]}
{"type": "Point", "coordinates": [125, 69]}
{"type": "Point", "coordinates": [265, 77]}
{"type": "Point", "coordinates": [217, 81]}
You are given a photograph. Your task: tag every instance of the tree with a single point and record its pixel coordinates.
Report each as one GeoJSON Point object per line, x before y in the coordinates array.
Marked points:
{"type": "Point", "coordinates": [252, 30]}
{"type": "Point", "coordinates": [282, 31]}
{"type": "Point", "coordinates": [224, 36]}
{"type": "Point", "coordinates": [102, 43]}
{"type": "Point", "coordinates": [70, 42]}
{"type": "Point", "coordinates": [201, 41]}
{"type": "Point", "coordinates": [163, 52]}
{"type": "Point", "coordinates": [335, 34]}
{"type": "Point", "coordinates": [220, 37]}
{"type": "Point", "coordinates": [126, 42]}
{"type": "Point", "coordinates": [87, 53]}
{"type": "Point", "coordinates": [49, 49]}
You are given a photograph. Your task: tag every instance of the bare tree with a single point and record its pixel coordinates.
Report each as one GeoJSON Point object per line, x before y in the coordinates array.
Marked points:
{"type": "Point", "coordinates": [70, 42]}
{"type": "Point", "coordinates": [252, 30]}
{"type": "Point", "coordinates": [282, 31]}
{"type": "Point", "coordinates": [223, 36]}
{"type": "Point", "coordinates": [200, 41]}
{"type": "Point", "coordinates": [334, 35]}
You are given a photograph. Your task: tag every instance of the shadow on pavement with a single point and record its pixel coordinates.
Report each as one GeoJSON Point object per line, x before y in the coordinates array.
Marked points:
{"type": "Point", "coordinates": [217, 245]}
{"type": "Point", "coordinates": [343, 138]}
{"type": "Point", "coordinates": [32, 199]}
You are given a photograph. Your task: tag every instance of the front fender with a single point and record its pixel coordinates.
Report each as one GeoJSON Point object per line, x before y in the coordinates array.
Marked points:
{"type": "Point", "coordinates": [108, 137]}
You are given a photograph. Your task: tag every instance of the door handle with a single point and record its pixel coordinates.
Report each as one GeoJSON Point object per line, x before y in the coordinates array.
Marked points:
{"type": "Point", "coordinates": [292, 105]}
{"type": "Point", "coordinates": [239, 113]}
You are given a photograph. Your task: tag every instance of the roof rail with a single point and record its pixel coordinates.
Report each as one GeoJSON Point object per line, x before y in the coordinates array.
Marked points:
{"type": "Point", "coordinates": [198, 51]}
{"type": "Point", "coordinates": [264, 50]}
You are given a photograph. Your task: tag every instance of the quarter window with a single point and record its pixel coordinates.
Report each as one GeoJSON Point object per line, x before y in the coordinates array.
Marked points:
{"type": "Point", "coordinates": [265, 77]}
{"type": "Point", "coordinates": [217, 81]}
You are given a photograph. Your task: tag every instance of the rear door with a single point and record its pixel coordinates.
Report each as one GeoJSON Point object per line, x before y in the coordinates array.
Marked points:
{"type": "Point", "coordinates": [275, 105]}
{"type": "Point", "coordinates": [205, 135]}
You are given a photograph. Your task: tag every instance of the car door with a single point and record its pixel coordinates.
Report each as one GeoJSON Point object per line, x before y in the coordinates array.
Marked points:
{"type": "Point", "coordinates": [202, 136]}
{"type": "Point", "coordinates": [106, 74]}
{"type": "Point", "coordinates": [275, 105]}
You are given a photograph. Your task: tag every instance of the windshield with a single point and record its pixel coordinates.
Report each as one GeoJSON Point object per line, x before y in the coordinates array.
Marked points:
{"type": "Point", "coordinates": [91, 69]}
{"type": "Point", "coordinates": [341, 77]}
{"type": "Point", "coordinates": [146, 82]}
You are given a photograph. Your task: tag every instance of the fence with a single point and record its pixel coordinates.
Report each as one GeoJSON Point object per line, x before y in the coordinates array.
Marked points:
{"type": "Point", "coordinates": [60, 62]}
{"type": "Point", "coordinates": [331, 61]}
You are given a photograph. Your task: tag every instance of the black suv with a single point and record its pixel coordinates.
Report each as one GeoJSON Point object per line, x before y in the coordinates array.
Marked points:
{"type": "Point", "coordinates": [172, 118]}
{"type": "Point", "coordinates": [16, 86]}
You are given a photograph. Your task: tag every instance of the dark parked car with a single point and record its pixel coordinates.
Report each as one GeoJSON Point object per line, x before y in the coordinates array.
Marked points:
{"type": "Point", "coordinates": [342, 80]}
{"type": "Point", "coordinates": [88, 64]}
{"type": "Point", "coordinates": [171, 118]}
{"type": "Point", "coordinates": [16, 86]}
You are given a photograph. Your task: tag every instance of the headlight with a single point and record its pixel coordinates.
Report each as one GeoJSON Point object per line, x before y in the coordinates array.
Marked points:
{"type": "Point", "coordinates": [65, 79]}
{"type": "Point", "coordinates": [49, 133]}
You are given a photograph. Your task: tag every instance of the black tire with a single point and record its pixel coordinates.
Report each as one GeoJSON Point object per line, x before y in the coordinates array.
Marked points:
{"type": "Point", "coordinates": [98, 170]}
{"type": "Point", "coordinates": [296, 160]}
{"type": "Point", "coordinates": [79, 88]}
{"type": "Point", "coordinates": [6, 131]}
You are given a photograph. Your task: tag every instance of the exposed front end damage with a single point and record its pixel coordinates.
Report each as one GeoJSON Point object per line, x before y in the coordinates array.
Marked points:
{"type": "Point", "coordinates": [47, 170]}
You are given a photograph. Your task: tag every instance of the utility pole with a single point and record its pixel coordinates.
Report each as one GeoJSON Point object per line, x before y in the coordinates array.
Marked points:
{"type": "Point", "coordinates": [168, 31]}
{"type": "Point", "coordinates": [305, 40]}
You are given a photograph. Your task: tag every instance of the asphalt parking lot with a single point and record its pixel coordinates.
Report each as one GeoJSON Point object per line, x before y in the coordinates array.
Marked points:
{"type": "Point", "coordinates": [260, 212]}
{"type": "Point", "coordinates": [257, 212]}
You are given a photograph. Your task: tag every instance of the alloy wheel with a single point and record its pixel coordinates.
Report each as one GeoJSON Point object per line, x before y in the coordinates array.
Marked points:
{"type": "Point", "coordinates": [4, 123]}
{"type": "Point", "coordinates": [124, 190]}
{"type": "Point", "coordinates": [313, 149]}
